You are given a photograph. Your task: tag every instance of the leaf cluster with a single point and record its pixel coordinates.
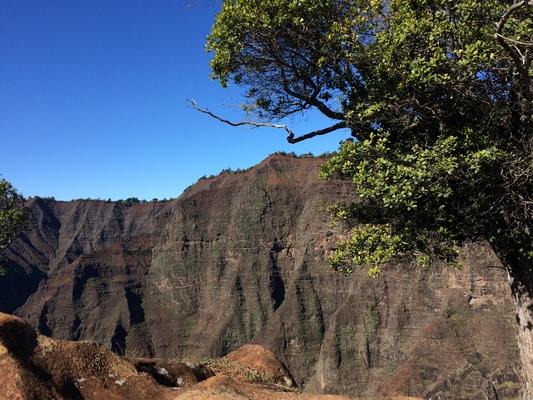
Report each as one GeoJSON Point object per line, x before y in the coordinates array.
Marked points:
{"type": "Point", "coordinates": [431, 197]}
{"type": "Point", "coordinates": [13, 215]}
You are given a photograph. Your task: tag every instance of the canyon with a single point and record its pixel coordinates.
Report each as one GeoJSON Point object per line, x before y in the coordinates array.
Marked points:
{"type": "Point", "coordinates": [242, 258]}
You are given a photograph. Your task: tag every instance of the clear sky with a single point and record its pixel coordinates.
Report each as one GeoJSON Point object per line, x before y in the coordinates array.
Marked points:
{"type": "Point", "coordinates": [93, 100]}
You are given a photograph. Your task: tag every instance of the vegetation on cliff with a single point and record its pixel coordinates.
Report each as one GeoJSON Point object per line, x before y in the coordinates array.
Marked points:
{"type": "Point", "coordinates": [12, 213]}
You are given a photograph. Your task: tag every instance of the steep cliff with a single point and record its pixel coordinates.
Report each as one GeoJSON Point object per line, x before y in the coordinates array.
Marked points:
{"type": "Point", "coordinates": [241, 258]}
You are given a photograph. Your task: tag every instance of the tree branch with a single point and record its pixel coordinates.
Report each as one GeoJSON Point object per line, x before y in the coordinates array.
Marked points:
{"type": "Point", "coordinates": [504, 41]}
{"type": "Point", "coordinates": [291, 138]}
{"type": "Point", "coordinates": [312, 100]}
{"type": "Point", "coordinates": [309, 99]}
{"type": "Point", "coordinates": [519, 53]}
{"type": "Point", "coordinates": [332, 128]}
{"type": "Point", "coordinates": [255, 124]}
{"type": "Point", "coordinates": [508, 39]}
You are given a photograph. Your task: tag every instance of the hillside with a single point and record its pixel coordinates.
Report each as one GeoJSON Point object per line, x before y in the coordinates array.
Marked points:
{"type": "Point", "coordinates": [241, 258]}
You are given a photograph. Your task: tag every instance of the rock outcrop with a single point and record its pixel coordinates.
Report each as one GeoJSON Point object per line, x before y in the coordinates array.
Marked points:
{"type": "Point", "coordinates": [241, 258]}
{"type": "Point", "coordinates": [263, 362]}
{"type": "Point", "coordinates": [35, 367]}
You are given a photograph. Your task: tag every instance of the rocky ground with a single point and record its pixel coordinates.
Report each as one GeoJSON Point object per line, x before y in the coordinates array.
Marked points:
{"type": "Point", "coordinates": [35, 367]}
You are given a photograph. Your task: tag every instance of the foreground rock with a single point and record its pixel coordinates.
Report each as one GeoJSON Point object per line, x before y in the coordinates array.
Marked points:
{"type": "Point", "coordinates": [35, 367]}
{"type": "Point", "coordinates": [242, 258]}
{"type": "Point", "coordinates": [226, 388]}
{"type": "Point", "coordinates": [263, 362]}
{"type": "Point", "coordinates": [173, 373]}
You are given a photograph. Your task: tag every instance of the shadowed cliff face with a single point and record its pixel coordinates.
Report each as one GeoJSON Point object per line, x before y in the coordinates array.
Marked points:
{"type": "Point", "coordinates": [241, 258]}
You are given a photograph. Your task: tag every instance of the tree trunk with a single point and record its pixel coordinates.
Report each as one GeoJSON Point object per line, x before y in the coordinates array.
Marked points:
{"type": "Point", "coordinates": [521, 280]}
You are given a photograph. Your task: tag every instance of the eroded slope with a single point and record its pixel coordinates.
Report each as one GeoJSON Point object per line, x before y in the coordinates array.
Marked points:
{"type": "Point", "coordinates": [241, 258]}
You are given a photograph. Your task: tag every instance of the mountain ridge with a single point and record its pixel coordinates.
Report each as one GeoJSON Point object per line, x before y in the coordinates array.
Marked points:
{"type": "Point", "coordinates": [242, 258]}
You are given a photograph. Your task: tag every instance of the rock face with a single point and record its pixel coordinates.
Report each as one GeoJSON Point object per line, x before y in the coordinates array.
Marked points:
{"type": "Point", "coordinates": [241, 258]}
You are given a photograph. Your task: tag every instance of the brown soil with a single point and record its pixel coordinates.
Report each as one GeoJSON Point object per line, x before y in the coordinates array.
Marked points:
{"type": "Point", "coordinates": [225, 388]}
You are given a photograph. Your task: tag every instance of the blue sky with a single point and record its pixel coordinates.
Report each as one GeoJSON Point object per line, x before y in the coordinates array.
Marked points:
{"type": "Point", "coordinates": [93, 100]}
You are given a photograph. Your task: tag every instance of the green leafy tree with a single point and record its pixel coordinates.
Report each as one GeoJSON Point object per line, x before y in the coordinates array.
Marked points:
{"type": "Point", "coordinates": [13, 215]}
{"type": "Point", "coordinates": [437, 96]}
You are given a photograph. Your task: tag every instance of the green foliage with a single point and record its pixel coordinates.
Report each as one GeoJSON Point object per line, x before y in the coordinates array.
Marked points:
{"type": "Point", "coordinates": [371, 245]}
{"type": "Point", "coordinates": [13, 215]}
{"type": "Point", "coordinates": [439, 112]}
{"type": "Point", "coordinates": [130, 201]}
{"type": "Point", "coordinates": [280, 50]}
{"type": "Point", "coordinates": [303, 155]}
{"type": "Point", "coordinates": [432, 196]}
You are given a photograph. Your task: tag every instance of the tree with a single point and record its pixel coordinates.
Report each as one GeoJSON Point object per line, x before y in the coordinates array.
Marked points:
{"type": "Point", "coordinates": [13, 215]}
{"type": "Point", "coordinates": [437, 96]}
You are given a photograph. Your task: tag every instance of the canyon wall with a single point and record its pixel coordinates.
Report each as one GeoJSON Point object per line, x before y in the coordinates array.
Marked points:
{"type": "Point", "coordinates": [242, 258]}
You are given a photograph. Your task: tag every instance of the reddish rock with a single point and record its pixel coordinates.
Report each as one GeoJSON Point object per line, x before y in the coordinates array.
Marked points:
{"type": "Point", "coordinates": [263, 362]}
{"type": "Point", "coordinates": [36, 368]}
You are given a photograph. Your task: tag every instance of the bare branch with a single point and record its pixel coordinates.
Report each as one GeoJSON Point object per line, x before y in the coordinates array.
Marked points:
{"type": "Point", "coordinates": [507, 14]}
{"type": "Point", "coordinates": [313, 100]}
{"type": "Point", "coordinates": [254, 124]}
{"type": "Point", "coordinates": [291, 138]}
{"type": "Point", "coordinates": [519, 53]}
{"type": "Point", "coordinates": [332, 128]}
{"type": "Point", "coordinates": [508, 39]}
{"type": "Point", "coordinates": [504, 41]}
{"type": "Point", "coordinates": [310, 99]}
